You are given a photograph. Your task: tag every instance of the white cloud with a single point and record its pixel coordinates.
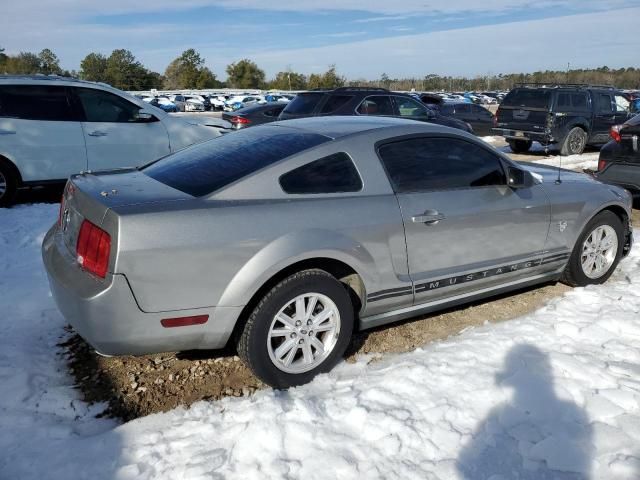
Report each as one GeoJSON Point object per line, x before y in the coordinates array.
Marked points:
{"type": "Point", "coordinates": [511, 47]}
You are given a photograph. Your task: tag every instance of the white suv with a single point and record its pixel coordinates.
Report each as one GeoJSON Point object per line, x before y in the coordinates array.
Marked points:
{"type": "Point", "coordinates": [52, 127]}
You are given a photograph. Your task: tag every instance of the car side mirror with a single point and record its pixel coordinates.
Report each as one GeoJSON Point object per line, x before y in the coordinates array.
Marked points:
{"type": "Point", "coordinates": [517, 178]}
{"type": "Point", "coordinates": [146, 117]}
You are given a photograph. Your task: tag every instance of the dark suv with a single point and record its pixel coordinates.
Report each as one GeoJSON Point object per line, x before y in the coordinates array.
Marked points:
{"type": "Point", "coordinates": [569, 116]}
{"type": "Point", "coordinates": [365, 101]}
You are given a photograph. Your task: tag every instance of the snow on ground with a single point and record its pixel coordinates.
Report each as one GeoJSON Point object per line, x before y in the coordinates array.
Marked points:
{"type": "Point", "coordinates": [579, 163]}
{"type": "Point", "coordinates": [553, 394]}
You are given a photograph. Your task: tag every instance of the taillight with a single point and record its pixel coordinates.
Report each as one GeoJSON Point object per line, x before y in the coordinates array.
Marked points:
{"type": "Point", "coordinates": [495, 120]}
{"type": "Point", "coordinates": [93, 248]}
{"type": "Point", "coordinates": [601, 164]}
{"type": "Point", "coordinates": [240, 120]}
{"type": "Point", "coordinates": [615, 133]}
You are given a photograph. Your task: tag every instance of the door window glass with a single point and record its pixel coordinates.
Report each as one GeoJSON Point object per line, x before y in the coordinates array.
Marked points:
{"type": "Point", "coordinates": [376, 105]}
{"type": "Point", "coordinates": [420, 164]}
{"type": "Point", "coordinates": [333, 174]}
{"type": "Point", "coordinates": [36, 102]}
{"type": "Point", "coordinates": [604, 103]}
{"type": "Point", "coordinates": [408, 107]}
{"type": "Point", "coordinates": [334, 102]}
{"type": "Point", "coordinates": [100, 106]}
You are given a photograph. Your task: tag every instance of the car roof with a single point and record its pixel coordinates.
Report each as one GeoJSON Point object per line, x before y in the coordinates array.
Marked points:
{"type": "Point", "coordinates": [335, 126]}
{"type": "Point", "coordinates": [36, 79]}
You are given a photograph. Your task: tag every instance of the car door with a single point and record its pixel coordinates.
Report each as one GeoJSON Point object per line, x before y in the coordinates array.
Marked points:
{"type": "Point", "coordinates": [40, 132]}
{"type": "Point", "coordinates": [465, 228]}
{"type": "Point", "coordinates": [115, 137]}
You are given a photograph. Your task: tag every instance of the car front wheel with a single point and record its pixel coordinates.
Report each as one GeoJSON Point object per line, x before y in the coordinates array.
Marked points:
{"type": "Point", "coordinates": [299, 329]}
{"type": "Point", "coordinates": [597, 251]}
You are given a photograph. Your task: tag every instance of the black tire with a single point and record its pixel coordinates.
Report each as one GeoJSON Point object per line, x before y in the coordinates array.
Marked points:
{"type": "Point", "coordinates": [574, 142]}
{"type": "Point", "coordinates": [519, 146]}
{"type": "Point", "coordinates": [252, 344]}
{"type": "Point", "coordinates": [573, 274]}
{"type": "Point", "coordinates": [8, 185]}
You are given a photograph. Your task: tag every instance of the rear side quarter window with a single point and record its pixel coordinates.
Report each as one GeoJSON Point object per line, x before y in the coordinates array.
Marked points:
{"type": "Point", "coordinates": [36, 102]}
{"type": "Point", "coordinates": [332, 174]}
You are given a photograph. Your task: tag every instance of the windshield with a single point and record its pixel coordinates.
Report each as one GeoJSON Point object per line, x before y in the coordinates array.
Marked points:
{"type": "Point", "coordinates": [531, 98]}
{"type": "Point", "coordinates": [209, 166]}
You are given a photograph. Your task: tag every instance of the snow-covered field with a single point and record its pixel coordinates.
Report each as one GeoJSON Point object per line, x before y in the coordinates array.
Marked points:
{"type": "Point", "coordinates": [554, 394]}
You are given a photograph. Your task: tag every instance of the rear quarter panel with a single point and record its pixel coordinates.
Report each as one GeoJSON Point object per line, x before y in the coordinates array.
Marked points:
{"type": "Point", "coordinates": [220, 253]}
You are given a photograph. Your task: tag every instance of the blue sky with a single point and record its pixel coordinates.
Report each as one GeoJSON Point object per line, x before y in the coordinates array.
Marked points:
{"type": "Point", "coordinates": [363, 38]}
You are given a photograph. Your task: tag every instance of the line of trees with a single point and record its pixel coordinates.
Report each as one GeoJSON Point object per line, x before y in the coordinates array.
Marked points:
{"type": "Point", "coordinates": [122, 70]}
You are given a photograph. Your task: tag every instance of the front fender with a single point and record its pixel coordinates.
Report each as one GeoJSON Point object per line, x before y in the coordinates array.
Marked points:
{"type": "Point", "coordinates": [293, 248]}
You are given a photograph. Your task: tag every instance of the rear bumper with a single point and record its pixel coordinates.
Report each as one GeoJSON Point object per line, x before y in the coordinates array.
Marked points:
{"type": "Point", "coordinates": [515, 134]}
{"type": "Point", "coordinates": [106, 315]}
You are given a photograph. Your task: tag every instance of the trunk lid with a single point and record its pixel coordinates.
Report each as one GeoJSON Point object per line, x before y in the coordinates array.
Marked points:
{"type": "Point", "coordinates": [91, 196]}
{"type": "Point", "coordinates": [525, 109]}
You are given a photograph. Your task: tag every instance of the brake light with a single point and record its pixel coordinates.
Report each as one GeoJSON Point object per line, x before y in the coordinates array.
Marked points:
{"type": "Point", "coordinates": [615, 133]}
{"type": "Point", "coordinates": [601, 164]}
{"type": "Point", "coordinates": [240, 120]}
{"type": "Point", "coordinates": [495, 120]}
{"type": "Point", "coordinates": [93, 249]}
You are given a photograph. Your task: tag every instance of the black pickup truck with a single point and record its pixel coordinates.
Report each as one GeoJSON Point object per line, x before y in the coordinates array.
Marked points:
{"type": "Point", "coordinates": [567, 116]}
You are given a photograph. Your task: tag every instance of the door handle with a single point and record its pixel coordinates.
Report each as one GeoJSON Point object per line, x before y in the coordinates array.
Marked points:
{"type": "Point", "coordinates": [430, 217]}
{"type": "Point", "coordinates": [97, 133]}
{"type": "Point", "coordinates": [7, 132]}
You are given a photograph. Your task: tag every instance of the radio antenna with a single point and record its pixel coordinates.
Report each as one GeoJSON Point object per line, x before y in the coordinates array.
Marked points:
{"type": "Point", "coordinates": [558, 180]}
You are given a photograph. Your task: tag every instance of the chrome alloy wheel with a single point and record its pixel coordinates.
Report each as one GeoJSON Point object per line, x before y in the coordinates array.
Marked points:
{"type": "Point", "coordinates": [303, 333]}
{"type": "Point", "coordinates": [3, 185]}
{"type": "Point", "coordinates": [599, 251]}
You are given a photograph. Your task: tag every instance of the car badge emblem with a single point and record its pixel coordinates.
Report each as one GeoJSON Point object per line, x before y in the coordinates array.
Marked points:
{"type": "Point", "coordinates": [562, 226]}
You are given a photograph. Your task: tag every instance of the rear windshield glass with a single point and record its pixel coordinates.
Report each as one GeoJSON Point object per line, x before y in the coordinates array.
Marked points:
{"type": "Point", "coordinates": [209, 166]}
{"type": "Point", "coordinates": [303, 104]}
{"type": "Point", "coordinates": [527, 98]}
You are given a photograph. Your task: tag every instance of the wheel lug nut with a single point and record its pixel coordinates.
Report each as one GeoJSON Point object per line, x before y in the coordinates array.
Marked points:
{"type": "Point", "coordinates": [309, 322]}
{"type": "Point", "coordinates": [298, 323]}
{"type": "Point", "coordinates": [301, 341]}
{"type": "Point", "coordinates": [293, 335]}
{"type": "Point", "coordinates": [310, 333]}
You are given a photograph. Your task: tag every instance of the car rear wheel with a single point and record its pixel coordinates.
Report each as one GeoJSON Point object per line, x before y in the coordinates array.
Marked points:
{"type": "Point", "coordinates": [520, 146]}
{"type": "Point", "coordinates": [8, 185]}
{"type": "Point", "coordinates": [299, 329]}
{"type": "Point", "coordinates": [575, 142]}
{"type": "Point", "coordinates": [597, 251]}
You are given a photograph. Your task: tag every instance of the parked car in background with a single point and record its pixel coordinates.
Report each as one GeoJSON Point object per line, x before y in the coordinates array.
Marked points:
{"type": "Point", "coordinates": [217, 102]}
{"type": "Point", "coordinates": [238, 102]}
{"type": "Point", "coordinates": [480, 119]}
{"type": "Point", "coordinates": [254, 115]}
{"type": "Point", "coordinates": [265, 237]}
{"type": "Point", "coordinates": [52, 127]}
{"type": "Point", "coordinates": [362, 101]}
{"type": "Point", "coordinates": [273, 97]}
{"type": "Point", "coordinates": [162, 103]}
{"type": "Point", "coordinates": [619, 161]}
{"type": "Point", "coordinates": [180, 101]}
{"type": "Point", "coordinates": [193, 105]}
{"type": "Point", "coordinates": [204, 99]}
{"type": "Point", "coordinates": [568, 116]}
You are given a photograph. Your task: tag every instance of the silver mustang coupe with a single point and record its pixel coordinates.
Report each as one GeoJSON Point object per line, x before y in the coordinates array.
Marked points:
{"type": "Point", "coordinates": [285, 238]}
